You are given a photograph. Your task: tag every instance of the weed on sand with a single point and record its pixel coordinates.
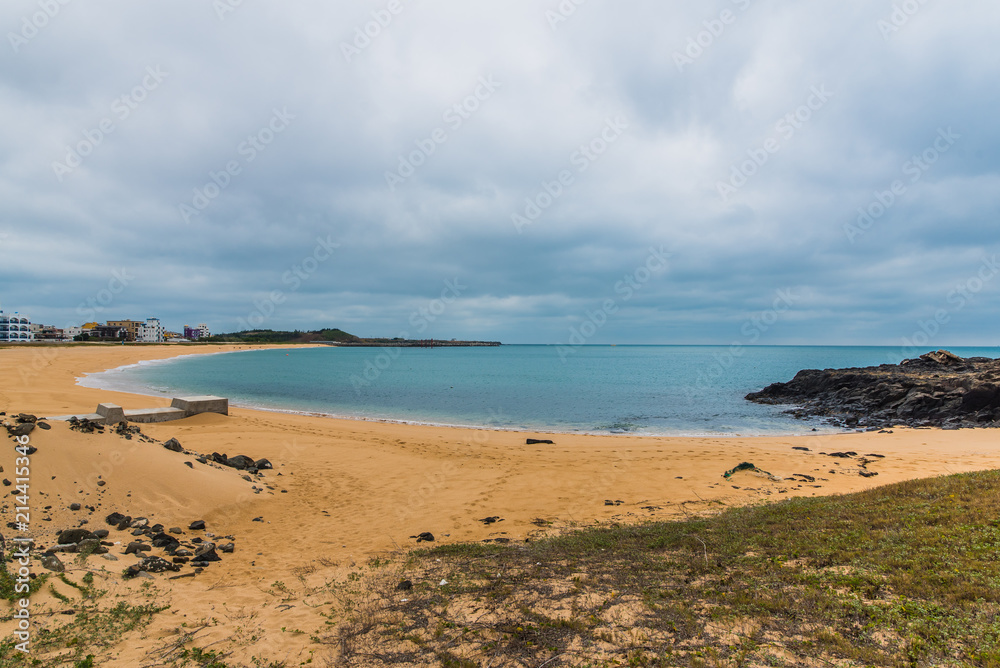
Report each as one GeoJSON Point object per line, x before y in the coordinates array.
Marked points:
{"type": "Point", "coordinates": [903, 575]}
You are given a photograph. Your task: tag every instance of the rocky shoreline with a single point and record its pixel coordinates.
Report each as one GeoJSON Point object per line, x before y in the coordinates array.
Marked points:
{"type": "Point", "coordinates": [939, 389]}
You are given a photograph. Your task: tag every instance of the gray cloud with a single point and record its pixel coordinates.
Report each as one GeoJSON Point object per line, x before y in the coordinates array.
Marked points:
{"type": "Point", "coordinates": [350, 119]}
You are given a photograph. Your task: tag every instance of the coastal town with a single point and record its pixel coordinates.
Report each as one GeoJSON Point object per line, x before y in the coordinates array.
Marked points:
{"type": "Point", "coordinates": [17, 327]}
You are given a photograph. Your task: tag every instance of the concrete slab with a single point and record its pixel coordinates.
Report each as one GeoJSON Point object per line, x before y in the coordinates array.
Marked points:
{"type": "Point", "coordinates": [203, 404]}
{"type": "Point", "coordinates": [150, 415]}
{"type": "Point", "coordinates": [180, 407]}
{"type": "Point", "coordinates": [93, 417]}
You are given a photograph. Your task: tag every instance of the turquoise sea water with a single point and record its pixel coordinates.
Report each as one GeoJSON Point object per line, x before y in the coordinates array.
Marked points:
{"type": "Point", "coordinates": [646, 390]}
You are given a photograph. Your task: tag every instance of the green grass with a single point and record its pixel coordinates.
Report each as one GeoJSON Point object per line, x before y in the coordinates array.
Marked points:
{"type": "Point", "coordinates": [8, 584]}
{"type": "Point", "coordinates": [903, 575]}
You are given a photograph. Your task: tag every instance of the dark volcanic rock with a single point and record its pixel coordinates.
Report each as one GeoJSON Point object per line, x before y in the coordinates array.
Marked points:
{"type": "Point", "coordinates": [165, 540]}
{"type": "Point", "coordinates": [239, 462]}
{"type": "Point", "coordinates": [938, 389]}
{"type": "Point", "coordinates": [173, 445]}
{"type": "Point", "coordinates": [22, 429]}
{"type": "Point", "coordinates": [115, 519]}
{"type": "Point", "coordinates": [74, 536]}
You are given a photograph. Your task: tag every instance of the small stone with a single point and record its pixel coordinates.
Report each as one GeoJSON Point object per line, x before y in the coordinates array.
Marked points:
{"type": "Point", "coordinates": [136, 547]}
{"type": "Point", "coordinates": [405, 585]}
{"type": "Point", "coordinates": [51, 562]}
{"type": "Point", "coordinates": [426, 536]}
{"type": "Point", "coordinates": [74, 536]}
{"type": "Point", "coordinates": [102, 483]}
{"type": "Point", "coordinates": [197, 525]}
{"type": "Point", "coordinates": [173, 445]}
{"type": "Point", "coordinates": [227, 548]}
{"type": "Point", "coordinates": [189, 465]}
{"type": "Point", "coordinates": [44, 425]}
{"type": "Point", "coordinates": [206, 553]}
{"type": "Point", "coordinates": [115, 518]}
{"type": "Point", "coordinates": [75, 506]}
{"type": "Point", "coordinates": [176, 530]}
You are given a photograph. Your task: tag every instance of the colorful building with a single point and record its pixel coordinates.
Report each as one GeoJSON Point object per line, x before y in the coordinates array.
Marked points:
{"type": "Point", "coordinates": [195, 333]}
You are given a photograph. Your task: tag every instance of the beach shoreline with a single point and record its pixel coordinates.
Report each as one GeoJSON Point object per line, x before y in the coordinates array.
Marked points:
{"type": "Point", "coordinates": [345, 491]}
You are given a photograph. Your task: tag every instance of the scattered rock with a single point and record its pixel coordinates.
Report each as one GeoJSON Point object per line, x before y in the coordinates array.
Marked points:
{"type": "Point", "coordinates": [151, 564]}
{"type": "Point", "coordinates": [22, 429]}
{"type": "Point", "coordinates": [239, 462]}
{"type": "Point", "coordinates": [44, 425]}
{"type": "Point", "coordinates": [165, 540]}
{"type": "Point", "coordinates": [176, 530]}
{"type": "Point", "coordinates": [197, 525]}
{"type": "Point", "coordinates": [426, 536]}
{"type": "Point", "coordinates": [490, 520]}
{"type": "Point", "coordinates": [51, 562]}
{"type": "Point", "coordinates": [75, 506]}
{"type": "Point", "coordinates": [844, 455]}
{"type": "Point", "coordinates": [206, 553]}
{"type": "Point", "coordinates": [173, 445]}
{"type": "Point", "coordinates": [867, 474]}
{"type": "Point", "coordinates": [263, 464]}
{"type": "Point", "coordinates": [405, 585]}
{"type": "Point", "coordinates": [115, 519]}
{"type": "Point", "coordinates": [91, 546]}
{"type": "Point", "coordinates": [84, 425]}
{"type": "Point", "coordinates": [799, 447]}
{"type": "Point", "coordinates": [136, 547]}
{"type": "Point", "coordinates": [227, 548]}
{"type": "Point", "coordinates": [74, 536]}
{"type": "Point", "coordinates": [539, 441]}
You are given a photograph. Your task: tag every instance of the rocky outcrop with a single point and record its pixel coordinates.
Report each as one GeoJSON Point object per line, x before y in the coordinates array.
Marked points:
{"type": "Point", "coordinates": [939, 389]}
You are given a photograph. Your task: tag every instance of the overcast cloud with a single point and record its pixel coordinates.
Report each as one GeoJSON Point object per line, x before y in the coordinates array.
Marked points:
{"type": "Point", "coordinates": [273, 164]}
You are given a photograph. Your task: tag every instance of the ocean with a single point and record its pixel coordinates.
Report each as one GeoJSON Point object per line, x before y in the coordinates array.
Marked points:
{"type": "Point", "coordinates": [641, 390]}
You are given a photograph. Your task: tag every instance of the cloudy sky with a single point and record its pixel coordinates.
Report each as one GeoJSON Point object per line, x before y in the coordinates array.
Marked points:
{"type": "Point", "coordinates": [753, 171]}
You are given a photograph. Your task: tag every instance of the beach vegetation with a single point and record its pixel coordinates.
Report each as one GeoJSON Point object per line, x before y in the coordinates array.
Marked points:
{"type": "Point", "coordinates": [901, 575]}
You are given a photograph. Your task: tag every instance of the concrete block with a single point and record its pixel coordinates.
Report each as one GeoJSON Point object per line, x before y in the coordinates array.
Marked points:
{"type": "Point", "coordinates": [112, 413]}
{"type": "Point", "coordinates": [205, 404]}
{"type": "Point", "coordinates": [151, 415]}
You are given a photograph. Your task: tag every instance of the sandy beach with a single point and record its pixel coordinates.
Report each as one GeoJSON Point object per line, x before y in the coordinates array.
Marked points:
{"type": "Point", "coordinates": [342, 491]}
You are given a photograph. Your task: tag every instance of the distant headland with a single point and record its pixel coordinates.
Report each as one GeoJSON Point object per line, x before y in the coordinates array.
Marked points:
{"type": "Point", "coordinates": [338, 337]}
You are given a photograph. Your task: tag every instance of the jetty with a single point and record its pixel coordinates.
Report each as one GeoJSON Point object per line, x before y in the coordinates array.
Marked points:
{"type": "Point", "coordinates": [180, 408]}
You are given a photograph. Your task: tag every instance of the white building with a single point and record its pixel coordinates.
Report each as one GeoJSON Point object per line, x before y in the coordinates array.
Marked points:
{"type": "Point", "coordinates": [150, 331]}
{"type": "Point", "coordinates": [15, 328]}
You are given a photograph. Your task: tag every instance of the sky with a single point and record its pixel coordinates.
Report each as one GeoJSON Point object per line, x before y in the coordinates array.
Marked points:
{"type": "Point", "coordinates": [527, 171]}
